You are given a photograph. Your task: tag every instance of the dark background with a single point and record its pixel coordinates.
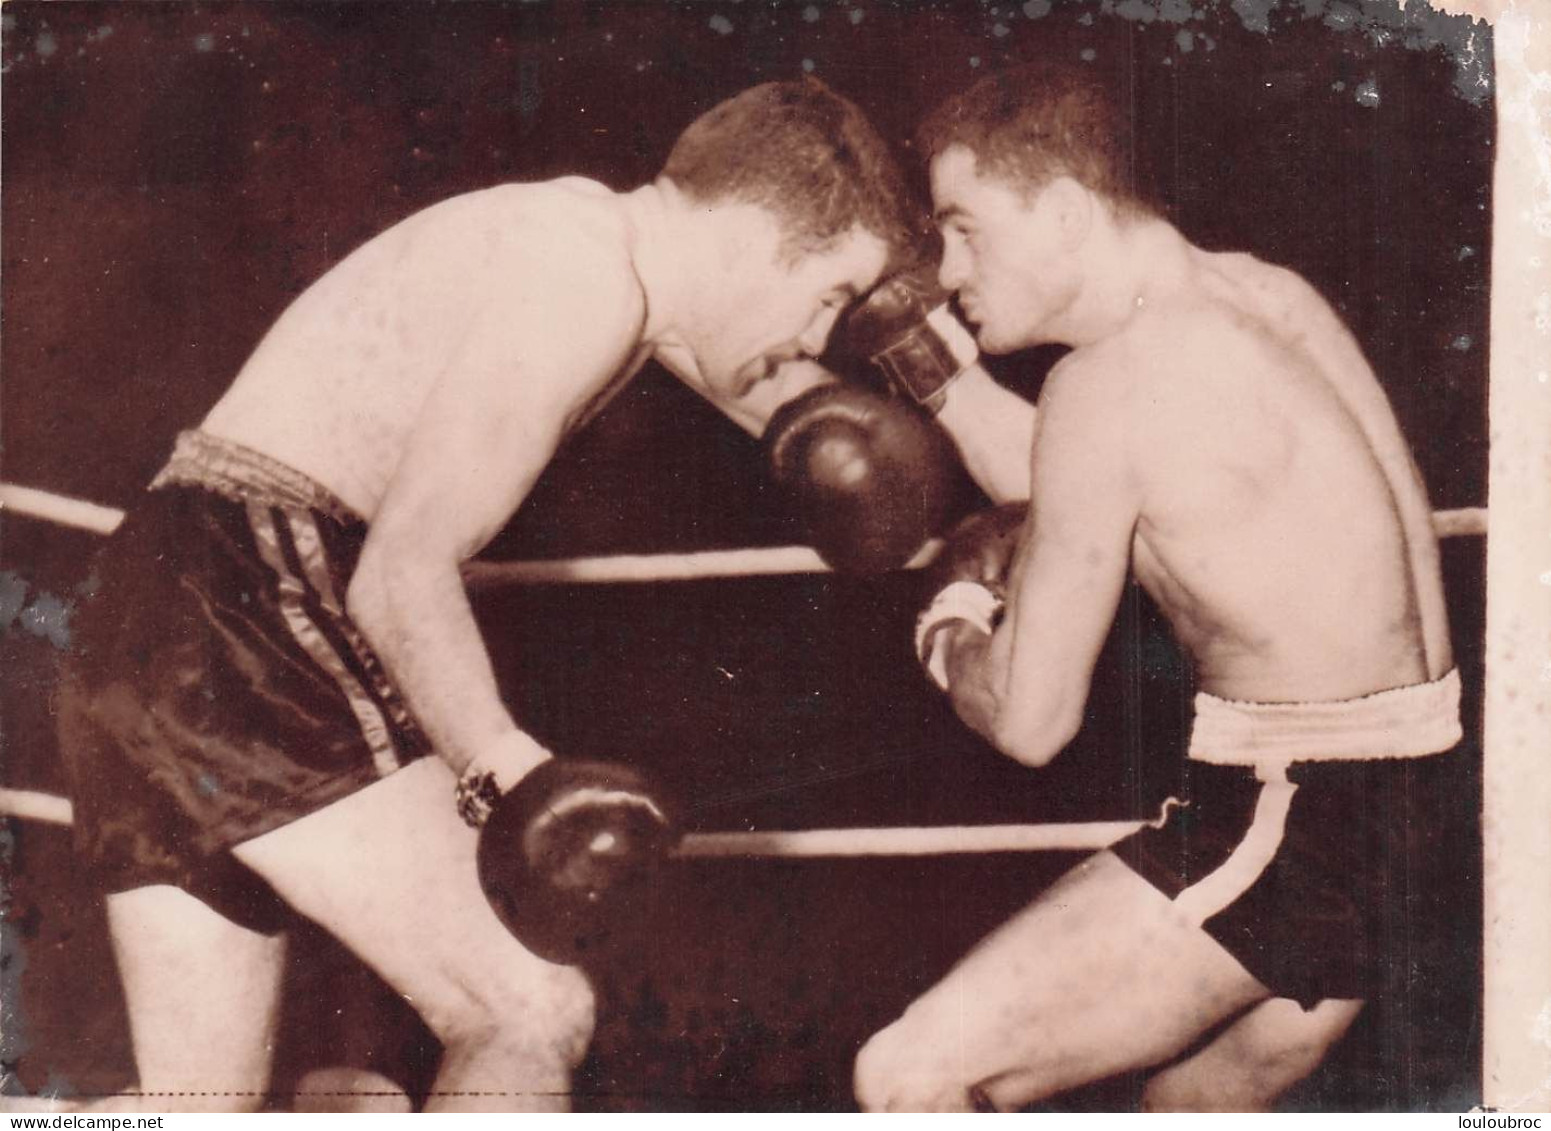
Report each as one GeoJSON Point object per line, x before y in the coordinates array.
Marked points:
{"type": "Point", "coordinates": [175, 173]}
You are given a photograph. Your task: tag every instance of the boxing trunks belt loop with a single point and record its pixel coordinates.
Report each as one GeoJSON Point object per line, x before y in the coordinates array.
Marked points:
{"type": "Point", "coordinates": [1404, 722]}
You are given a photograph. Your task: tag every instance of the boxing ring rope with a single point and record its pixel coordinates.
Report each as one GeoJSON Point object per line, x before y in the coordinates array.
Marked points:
{"type": "Point", "coordinates": [749, 562]}
{"type": "Point", "coordinates": [922, 840]}
{"type": "Point", "coordinates": [30, 805]}
{"type": "Point", "coordinates": [785, 844]}
{"type": "Point", "coordinates": [603, 570]}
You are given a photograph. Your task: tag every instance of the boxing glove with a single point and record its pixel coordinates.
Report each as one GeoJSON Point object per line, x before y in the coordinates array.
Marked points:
{"type": "Point", "coordinates": [567, 856]}
{"type": "Point", "coordinates": [906, 328]}
{"type": "Point", "coordinates": [968, 581]}
{"type": "Point", "coordinates": [869, 476]}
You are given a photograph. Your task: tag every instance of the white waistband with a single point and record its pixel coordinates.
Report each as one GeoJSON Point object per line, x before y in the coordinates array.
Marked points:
{"type": "Point", "coordinates": [1404, 722]}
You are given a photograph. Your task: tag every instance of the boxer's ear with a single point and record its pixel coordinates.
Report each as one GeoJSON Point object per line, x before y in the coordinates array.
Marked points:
{"type": "Point", "coordinates": [1072, 206]}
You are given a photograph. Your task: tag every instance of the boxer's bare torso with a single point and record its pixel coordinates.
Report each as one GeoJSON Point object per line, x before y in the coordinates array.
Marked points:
{"type": "Point", "coordinates": [1281, 525]}
{"type": "Point", "coordinates": [337, 385]}
{"type": "Point", "coordinates": [428, 379]}
{"type": "Point", "coordinates": [1217, 434]}
{"type": "Point", "coordinates": [1220, 437]}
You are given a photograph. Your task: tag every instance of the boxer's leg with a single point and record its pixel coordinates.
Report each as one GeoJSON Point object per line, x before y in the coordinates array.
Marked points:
{"type": "Point", "coordinates": [202, 995]}
{"type": "Point", "coordinates": [1251, 1063]}
{"type": "Point", "coordinates": [390, 871]}
{"type": "Point", "coordinates": [1099, 975]}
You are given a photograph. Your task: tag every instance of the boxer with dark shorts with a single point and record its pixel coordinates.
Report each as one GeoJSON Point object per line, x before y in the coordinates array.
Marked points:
{"type": "Point", "coordinates": [1302, 863]}
{"type": "Point", "coordinates": [282, 634]}
{"type": "Point", "coordinates": [218, 690]}
{"type": "Point", "coordinates": [1216, 434]}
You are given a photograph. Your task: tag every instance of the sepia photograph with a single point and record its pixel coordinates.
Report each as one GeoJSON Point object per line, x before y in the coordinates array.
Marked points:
{"type": "Point", "coordinates": [774, 556]}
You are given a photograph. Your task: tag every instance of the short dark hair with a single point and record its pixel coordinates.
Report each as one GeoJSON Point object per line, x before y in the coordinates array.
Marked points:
{"type": "Point", "coordinates": [1029, 125]}
{"type": "Point", "coordinates": [806, 154]}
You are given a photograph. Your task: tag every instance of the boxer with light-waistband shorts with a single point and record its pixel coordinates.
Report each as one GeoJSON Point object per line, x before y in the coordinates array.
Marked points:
{"type": "Point", "coordinates": [1215, 433]}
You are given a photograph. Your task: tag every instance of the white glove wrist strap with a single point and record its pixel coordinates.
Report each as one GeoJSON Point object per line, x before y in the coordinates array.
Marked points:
{"type": "Point", "coordinates": [967, 601]}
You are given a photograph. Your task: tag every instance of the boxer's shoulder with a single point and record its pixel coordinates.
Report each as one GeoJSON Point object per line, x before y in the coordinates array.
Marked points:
{"type": "Point", "coordinates": [1282, 301]}
{"type": "Point", "coordinates": [554, 255]}
{"type": "Point", "coordinates": [1246, 274]}
{"type": "Point", "coordinates": [567, 206]}
{"type": "Point", "coordinates": [1137, 360]}
{"type": "Point", "coordinates": [1230, 324]}
{"type": "Point", "coordinates": [1089, 399]}
{"type": "Point", "coordinates": [557, 225]}
{"type": "Point", "coordinates": [549, 232]}
{"type": "Point", "coordinates": [1182, 358]}
{"type": "Point", "coordinates": [576, 198]}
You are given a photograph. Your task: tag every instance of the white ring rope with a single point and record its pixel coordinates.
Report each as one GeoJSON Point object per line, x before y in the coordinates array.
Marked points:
{"type": "Point", "coordinates": [1460, 522]}
{"type": "Point", "coordinates": [932, 840]}
{"type": "Point", "coordinates": [30, 805]}
{"type": "Point", "coordinates": [924, 840]}
{"type": "Point", "coordinates": [804, 843]}
{"type": "Point", "coordinates": [615, 568]}
{"type": "Point", "coordinates": [60, 509]}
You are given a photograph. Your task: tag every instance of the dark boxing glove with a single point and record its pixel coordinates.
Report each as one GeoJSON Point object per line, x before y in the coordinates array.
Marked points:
{"type": "Point", "coordinates": [870, 476]}
{"type": "Point", "coordinates": [567, 856]}
{"type": "Point", "coordinates": [968, 581]}
{"type": "Point", "coordinates": [906, 328]}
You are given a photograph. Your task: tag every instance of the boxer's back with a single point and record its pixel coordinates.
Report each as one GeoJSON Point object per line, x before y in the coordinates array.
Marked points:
{"type": "Point", "coordinates": [1283, 527]}
{"type": "Point", "coordinates": [335, 387]}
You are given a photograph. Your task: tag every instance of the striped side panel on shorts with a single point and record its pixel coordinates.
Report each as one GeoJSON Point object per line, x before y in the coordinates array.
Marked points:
{"type": "Point", "coordinates": [1244, 865]}
{"type": "Point", "coordinates": [294, 594]}
{"type": "Point", "coordinates": [314, 562]}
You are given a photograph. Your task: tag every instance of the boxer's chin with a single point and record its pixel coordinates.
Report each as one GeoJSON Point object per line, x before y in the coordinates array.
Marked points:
{"type": "Point", "coordinates": [974, 321]}
{"type": "Point", "coordinates": [987, 338]}
{"type": "Point", "coordinates": [996, 339]}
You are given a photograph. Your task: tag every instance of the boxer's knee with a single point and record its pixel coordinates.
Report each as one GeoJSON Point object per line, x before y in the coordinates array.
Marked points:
{"type": "Point", "coordinates": [1254, 1061]}
{"type": "Point", "coordinates": [536, 1011]}
{"type": "Point", "coordinates": [1186, 1088]}
{"type": "Point", "coordinates": [875, 1074]}
{"type": "Point", "coordinates": [1241, 1086]}
{"type": "Point", "coordinates": [902, 1070]}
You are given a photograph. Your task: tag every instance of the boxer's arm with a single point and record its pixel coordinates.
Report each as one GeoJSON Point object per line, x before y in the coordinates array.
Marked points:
{"type": "Point", "coordinates": [991, 426]}
{"type": "Point", "coordinates": [907, 330]}
{"type": "Point", "coordinates": [488, 428]}
{"type": "Point", "coordinates": [993, 429]}
{"type": "Point", "coordinates": [1025, 687]}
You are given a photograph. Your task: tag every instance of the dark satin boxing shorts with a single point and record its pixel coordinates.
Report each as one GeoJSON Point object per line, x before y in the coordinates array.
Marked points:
{"type": "Point", "coordinates": [1360, 882]}
{"type": "Point", "coordinates": [215, 691]}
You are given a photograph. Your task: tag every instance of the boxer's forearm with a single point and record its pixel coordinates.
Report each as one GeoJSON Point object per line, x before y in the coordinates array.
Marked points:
{"type": "Point", "coordinates": [969, 680]}
{"type": "Point", "coordinates": [418, 620]}
{"type": "Point", "coordinates": [1020, 721]}
{"type": "Point", "coordinates": [993, 429]}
